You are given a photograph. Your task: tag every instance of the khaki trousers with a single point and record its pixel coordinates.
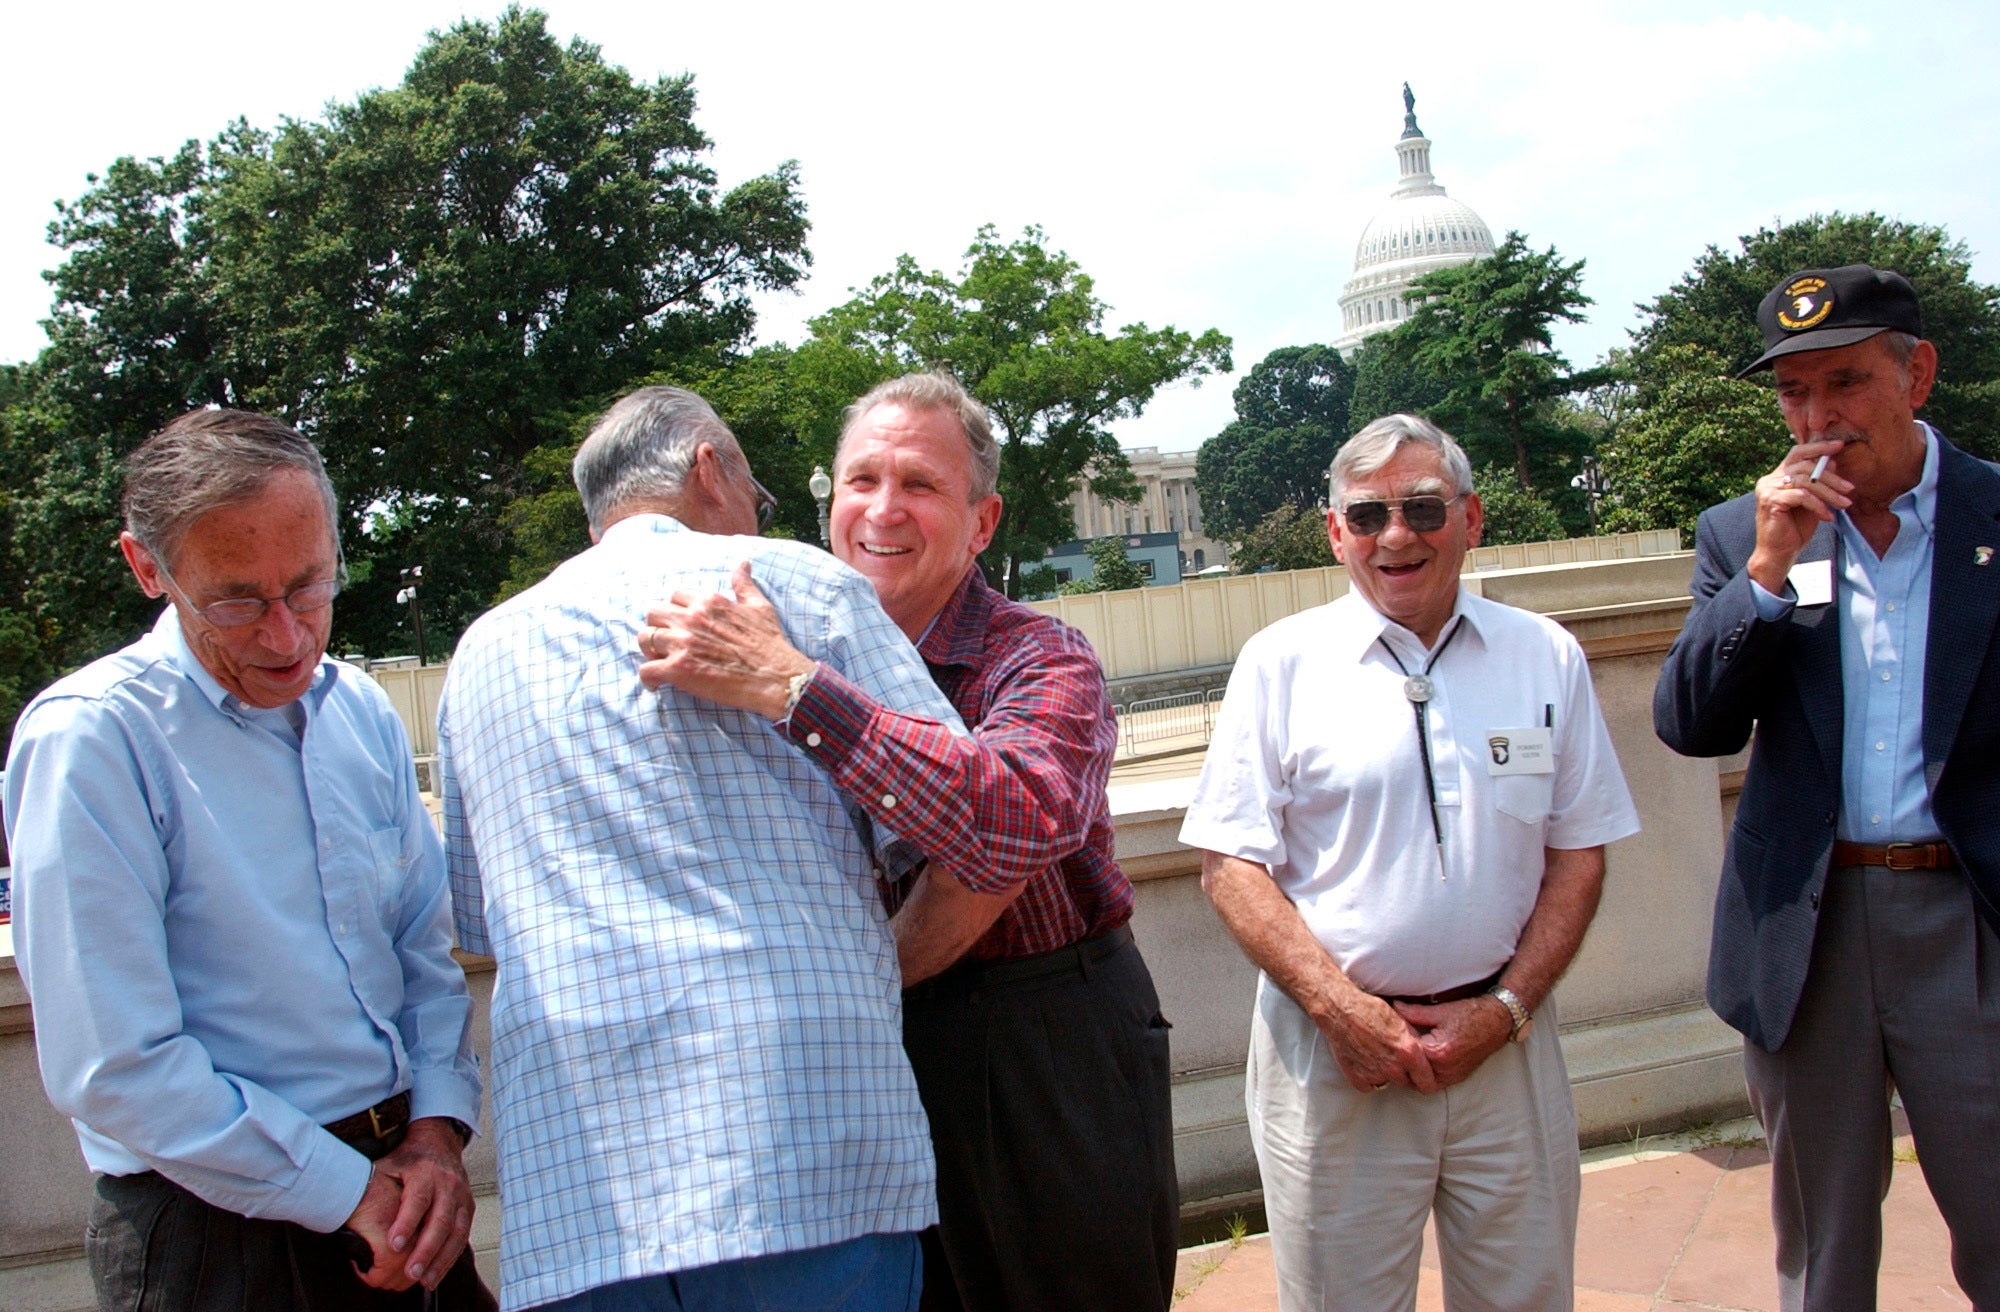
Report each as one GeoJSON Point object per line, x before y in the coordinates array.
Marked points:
{"type": "Point", "coordinates": [1349, 1177]}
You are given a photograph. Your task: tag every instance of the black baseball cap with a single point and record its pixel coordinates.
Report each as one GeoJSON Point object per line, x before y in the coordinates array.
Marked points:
{"type": "Point", "coordinates": [1818, 309]}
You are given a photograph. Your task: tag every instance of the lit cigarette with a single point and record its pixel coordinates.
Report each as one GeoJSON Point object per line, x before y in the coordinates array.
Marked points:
{"type": "Point", "coordinates": [1819, 467]}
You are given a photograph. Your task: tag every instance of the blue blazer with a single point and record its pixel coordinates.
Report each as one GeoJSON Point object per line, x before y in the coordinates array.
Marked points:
{"type": "Point", "coordinates": [1729, 672]}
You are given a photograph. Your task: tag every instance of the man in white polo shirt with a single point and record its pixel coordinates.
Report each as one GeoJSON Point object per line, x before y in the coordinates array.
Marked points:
{"type": "Point", "coordinates": [1404, 812]}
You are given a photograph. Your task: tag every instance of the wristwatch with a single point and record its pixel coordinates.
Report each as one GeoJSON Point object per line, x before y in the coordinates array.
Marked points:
{"type": "Point", "coordinates": [1523, 1022]}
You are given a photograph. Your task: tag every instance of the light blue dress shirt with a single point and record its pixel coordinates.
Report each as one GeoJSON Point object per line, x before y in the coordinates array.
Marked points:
{"type": "Point", "coordinates": [697, 1013]}
{"type": "Point", "coordinates": [1885, 612]}
{"type": "Point", "coordinates": [233, 930]}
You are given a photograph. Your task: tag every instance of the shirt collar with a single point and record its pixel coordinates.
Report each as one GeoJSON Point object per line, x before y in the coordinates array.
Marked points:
{"type": "Point", "coordinates": [1366, 625]}
{"type": "Point", "coordinates": [1923, 497]}
{"type": "Point", "coordinates": [167, 631]}
{"type": "Point", "coordinates": [1920, 501]}
{"type": "Point", "coordinates": [958, 634]}
{"type": "Point", "coordinates": [648, 522]}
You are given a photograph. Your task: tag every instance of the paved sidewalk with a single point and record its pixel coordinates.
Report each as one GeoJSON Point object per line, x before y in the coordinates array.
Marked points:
{"type": "Point", "coordinates": [1660, 1229]}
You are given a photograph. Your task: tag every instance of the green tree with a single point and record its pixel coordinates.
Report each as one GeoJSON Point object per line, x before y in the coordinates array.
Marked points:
{"type": "Point", "coordinates": [1111, 570]}
{"type": "Point", "coordinates": [1514, 513]}
{"type": "Point", "coordinates": [1290, 537]}
{"type": "Point", "coordinates": [1022, 327]}
{"type": "Point", "coordinates": [1714, 306]}
{"type": "Point", "coordinates": [436, 281]}
{"type": "Point", "coordinates": [23, 664]}
{"type": "Point", "coordinates": [1483, 329]}
{"type": "Point", "coordinates": [1389, 381]}
{"type": "Point", "coordinates": [1706, 437]}
{"type": "Point", "coordinates": [1291, 416]}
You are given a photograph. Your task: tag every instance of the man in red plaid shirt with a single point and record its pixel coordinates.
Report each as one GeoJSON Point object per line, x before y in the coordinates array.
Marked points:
{"type": "Point", "coordinates": [1029, 1016]}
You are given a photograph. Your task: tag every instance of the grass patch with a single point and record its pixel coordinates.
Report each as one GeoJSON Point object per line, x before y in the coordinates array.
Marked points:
{"type": "Point", "coordinates": [1238, 1229]}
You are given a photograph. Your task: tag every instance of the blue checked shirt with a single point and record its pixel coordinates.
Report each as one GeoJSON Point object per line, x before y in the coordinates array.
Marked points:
{"type": "Point", "coordinates": [697, 1017]}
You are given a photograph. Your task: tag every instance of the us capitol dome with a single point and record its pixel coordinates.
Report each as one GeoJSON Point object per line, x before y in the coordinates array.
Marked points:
{"type": "Point", "coordinates": [1419, 231]}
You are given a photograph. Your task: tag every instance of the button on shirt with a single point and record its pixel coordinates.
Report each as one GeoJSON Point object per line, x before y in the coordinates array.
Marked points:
{"type": "Point", "coordinates": [1885, 616]}
{"type": "Point", "coordinates": [697, 1020]}
{"type": "Point", "coordinates": [1315, 771]}
{"type": "Point", "coordinates": [234, 926]}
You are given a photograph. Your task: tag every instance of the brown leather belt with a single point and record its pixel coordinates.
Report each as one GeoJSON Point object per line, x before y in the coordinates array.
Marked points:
{"type": "Point", "coordinates": [1459, 994]}
{"type": "Point", "coordinates": [367, 1129]}
{"type": "Point", "coordinates": [1896, 856]}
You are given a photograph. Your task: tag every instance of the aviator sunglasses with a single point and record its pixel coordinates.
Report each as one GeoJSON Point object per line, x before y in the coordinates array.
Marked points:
{"type": "Point", "coordinates": [1424, 514]}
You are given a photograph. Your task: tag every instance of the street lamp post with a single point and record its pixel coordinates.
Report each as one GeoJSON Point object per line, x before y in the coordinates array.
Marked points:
{"type": "Point", "coordinates": [822, 491]}
{"type": "Point", "coordinates": [1593, 486]}
{"type": "Point", "coordinates": [413, 576]}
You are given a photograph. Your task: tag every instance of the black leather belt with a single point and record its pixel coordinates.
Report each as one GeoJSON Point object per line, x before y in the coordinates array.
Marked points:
{"type": "Point", "coordinates": [1459, 994]}
{"type": "Point", "coordinates": [1896, 856]}
{"type": "Point", "coordinates": [1077, 958]}
{"type": "Point", "coordinates": [377, 1130]}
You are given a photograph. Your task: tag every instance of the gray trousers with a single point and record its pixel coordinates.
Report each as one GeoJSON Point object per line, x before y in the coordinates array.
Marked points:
{"type": "Point", "coordinates": [1904, 992]}
{"type": "Point", "coordinates": [154, 1247]}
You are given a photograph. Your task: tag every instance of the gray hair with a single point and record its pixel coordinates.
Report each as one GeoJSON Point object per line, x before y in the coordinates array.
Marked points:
{"type": "Point", "coordinates": [643, 447]}
{"type": "Point", "coordinates": [1377, 444]}
{"type": "Point", "coordinates": [937, 390]}
{"type": "Point", "coordinates": [208, 459]}
{"type": "Point", "coordinates": [1901, 347]}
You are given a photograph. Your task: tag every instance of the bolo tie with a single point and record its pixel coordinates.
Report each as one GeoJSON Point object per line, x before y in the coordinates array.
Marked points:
{"type": "Point", "coordinates": [1419, 689]}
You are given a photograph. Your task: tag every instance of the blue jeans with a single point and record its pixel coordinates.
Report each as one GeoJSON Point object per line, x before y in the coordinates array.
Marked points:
{"type": "Point", "coordinates": [875, 1273]}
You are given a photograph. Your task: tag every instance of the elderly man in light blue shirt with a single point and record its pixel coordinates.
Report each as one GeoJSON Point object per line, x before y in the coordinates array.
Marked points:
{"type": "Point", "coordinates": [232, 918]}
{"type": "Point", "coordinates": [700, 1093]}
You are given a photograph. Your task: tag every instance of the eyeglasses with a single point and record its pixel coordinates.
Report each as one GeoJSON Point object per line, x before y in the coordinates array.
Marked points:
{"type": "Point", "coordinates": [1425, 514]}
{"type": "Point", "coordinates": [767, 505]}
{"type": "Point", "coordinates": [235, 612]}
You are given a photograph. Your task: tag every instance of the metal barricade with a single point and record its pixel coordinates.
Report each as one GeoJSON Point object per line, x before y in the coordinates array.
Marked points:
{"type": "Point", "coordinates": [1183, 716]}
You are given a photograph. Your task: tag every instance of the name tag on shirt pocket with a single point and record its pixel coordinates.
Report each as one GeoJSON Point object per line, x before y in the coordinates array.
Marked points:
{"type": "Point", "coordinates": [1812, 580]}
{"type": "Point", "coordinates": [1523, 765]}
{"type": "Point", "coordinates": [1520, 751]}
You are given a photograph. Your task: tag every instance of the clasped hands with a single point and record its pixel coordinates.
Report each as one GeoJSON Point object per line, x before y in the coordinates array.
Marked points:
{"type": "Point", "coordinates": [416, 1213]}
{"type": "Point", "coordinates": [1379, 1043]}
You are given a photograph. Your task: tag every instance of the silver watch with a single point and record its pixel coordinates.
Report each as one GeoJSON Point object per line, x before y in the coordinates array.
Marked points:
{"type": "Point", "coordinates": [1518, 1013]}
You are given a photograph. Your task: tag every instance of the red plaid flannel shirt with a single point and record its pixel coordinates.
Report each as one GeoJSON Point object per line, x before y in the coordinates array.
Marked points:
{"type": "Point", "coordinates": [1022, 800]}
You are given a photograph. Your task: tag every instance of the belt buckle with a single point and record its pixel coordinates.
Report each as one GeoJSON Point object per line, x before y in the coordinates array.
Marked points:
{"type": "Point", "coordinates": [1889, 856]}
{"type": "Point", "coordinates": [376, 1126]}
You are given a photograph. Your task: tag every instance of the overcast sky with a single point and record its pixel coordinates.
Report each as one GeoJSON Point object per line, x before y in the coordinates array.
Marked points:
{"type": "Point", "coordinates": [1210, 166]}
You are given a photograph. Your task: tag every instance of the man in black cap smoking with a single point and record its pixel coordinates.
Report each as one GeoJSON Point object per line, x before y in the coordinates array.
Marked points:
{"type": "Point", "coordinates": [1846, 608]}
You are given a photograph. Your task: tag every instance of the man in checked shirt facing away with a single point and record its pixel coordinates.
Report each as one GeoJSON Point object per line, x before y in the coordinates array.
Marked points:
{"type": "Point", "coordinates": [700, 1096]}
{"type": "Point", "coordinates": [1032, 1023]}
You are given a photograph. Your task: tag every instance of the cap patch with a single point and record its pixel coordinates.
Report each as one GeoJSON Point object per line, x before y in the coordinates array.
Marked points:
{"type": "Point", "coordinates": [1806, 302]}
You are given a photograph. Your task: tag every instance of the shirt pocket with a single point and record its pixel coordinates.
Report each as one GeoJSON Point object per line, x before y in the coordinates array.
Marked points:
{"type": "Point", "coordinates": [1526, 797]}
{"type": "Point", "coordinates": [389, 861]}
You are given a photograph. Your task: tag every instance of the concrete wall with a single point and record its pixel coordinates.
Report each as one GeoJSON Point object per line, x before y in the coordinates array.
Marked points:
{"type": "Point", "coordinates": [1205, 622]}
{"type": "Point", "coordinates": [1644, 1052]}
